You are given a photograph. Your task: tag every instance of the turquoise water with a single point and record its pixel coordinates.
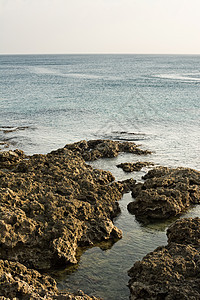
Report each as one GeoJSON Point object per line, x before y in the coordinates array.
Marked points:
{"type": "Point", "coordinates": [47, 101]}
{"type": "Point", "coordinates": [66, 98]}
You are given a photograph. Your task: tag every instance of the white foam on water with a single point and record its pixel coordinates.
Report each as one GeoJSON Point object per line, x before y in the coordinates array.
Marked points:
{"type": "Point", "coordinates": [42, 70]}
{"type": "Point", "coordinates": [182, 77]}
{"type": "Point", "coordinates": [51, 71]}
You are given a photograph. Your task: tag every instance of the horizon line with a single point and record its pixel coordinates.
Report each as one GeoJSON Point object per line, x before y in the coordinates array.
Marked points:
{"type": "Point", "coordinates": [99, 53]}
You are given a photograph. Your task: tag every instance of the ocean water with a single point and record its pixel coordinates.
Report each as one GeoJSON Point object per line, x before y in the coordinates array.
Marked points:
{"type": "Point", "coordinates": [47, 101]}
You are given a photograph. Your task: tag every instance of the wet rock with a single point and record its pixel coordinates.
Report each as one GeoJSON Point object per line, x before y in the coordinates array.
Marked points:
{"type": "Point", "coordinates": [130, 167]}
{"type": "Point", "coordinates": [95, 149]}
{"type": "Point", "coordinates": [50, 205]}
{"type": "Point", "coordinates": [170, 272]}
{"type": "Point", "coordinates": [165, 193]}
{"type": "Point", "coordinates": [18, 282]}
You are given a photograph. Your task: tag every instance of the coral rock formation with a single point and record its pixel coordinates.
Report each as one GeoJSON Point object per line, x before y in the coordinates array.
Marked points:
{"type": "Point", "coordinates": [95, 149]}
{"type": "Point", "coordinates": [52, 204]}
{"type": "Point", "coordinates": [165, 193]}
{"type": "Point", "coordinates": [18, 282]}
{"type": "Point", "coordinates": [170, 272]}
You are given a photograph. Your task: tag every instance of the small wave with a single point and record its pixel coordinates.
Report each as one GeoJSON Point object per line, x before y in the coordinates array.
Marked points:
{"type": "Point", "coordinates": [40, 70]}
{"type": "Point", "coordinates": [128, 133]}
{"type": "Point", "coordinates": [125, 136]}
{"type": "Point", "coordinates": [8, 129]}
{"type": "Point", "coordinates": [184, 77]}
{"type": "Point", "coordinates": [49, 71]}
{"type": "Point", "coordinates": [4, 145]}
{"type": "Point", "coordinates": [10, 141]}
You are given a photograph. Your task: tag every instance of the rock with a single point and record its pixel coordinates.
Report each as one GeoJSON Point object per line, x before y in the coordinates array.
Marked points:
{"type": "Point", "coordinates": [170, 272]}
{"type": "Point", "coordinates": [185, 231]}
{"type": "Point", "coordinates": [165, 193]}
{"type": "Point", "coordinates": [18, 282]}
{"type": "Point", "coordinates": [9, 159]}
{"type": "Point", "coordinates": [51, 205]}
{"type": "Point", "coordinates": [130, 167]}
{"type": "Point", "coordinates": [125, 186]}
{"type": "Point", "coordinates": [95, 149]}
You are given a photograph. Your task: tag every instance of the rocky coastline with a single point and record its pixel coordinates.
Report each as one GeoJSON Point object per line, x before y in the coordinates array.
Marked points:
{"type": "Point", "coordinates": [53, 205]}
{"type": "Point", "coordinates": [170, 272]}
{"type": "Point", "coordinates": [165, 193]}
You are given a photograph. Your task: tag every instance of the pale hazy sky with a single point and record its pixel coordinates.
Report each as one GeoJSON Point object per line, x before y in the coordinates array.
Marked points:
{"type": "Point", "coordinates": [99, 26]}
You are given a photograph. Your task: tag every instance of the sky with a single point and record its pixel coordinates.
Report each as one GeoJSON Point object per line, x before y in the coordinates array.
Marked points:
{"type": "Point", "coordinates": [99, 26]}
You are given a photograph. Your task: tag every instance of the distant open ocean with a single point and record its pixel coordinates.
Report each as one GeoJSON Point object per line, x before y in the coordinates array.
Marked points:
{"type": "Point", "coordinates": [51, 100]}
{"type": "Point", "coordinates": [47, 101]}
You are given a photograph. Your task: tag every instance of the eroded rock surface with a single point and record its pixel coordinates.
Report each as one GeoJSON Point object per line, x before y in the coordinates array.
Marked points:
{"type": "Point", "coordinates": [52, 204]}
{"type": "Point", "coordinates": [9, 159]}
{"type": "Point", "coordinates": [18, 282]}
{"type": "Point", "coordinates": [165, 193]}
{"type": "Point", "coordinates": [95, 149]}
{"type": "Point", "coordinates": [131, 167]}
{"type": "Point", "coordinates": [170, 272]}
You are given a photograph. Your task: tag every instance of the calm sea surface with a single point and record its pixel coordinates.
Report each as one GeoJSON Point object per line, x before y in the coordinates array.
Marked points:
{"type": "Point", "coordinates": [47, 101]}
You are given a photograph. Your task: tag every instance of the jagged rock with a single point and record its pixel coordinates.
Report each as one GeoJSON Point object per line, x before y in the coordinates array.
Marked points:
{"type": "Point", "coordinates": [170, 272]}
{"type": "Point", "coordinates": [9, 159]}
{"type": "Point", "coordinates": [52, 204]}
{"type": "Point", "coordinates": [95, 149]}
{"type": "Point", "coordinates": [125, 186]}
{"type": "Point", "coordinates": [18, 282]}
{"type": "Point", "coordinates": [165, 193]}
{"type": "Point", "coordinates": [130, 167]}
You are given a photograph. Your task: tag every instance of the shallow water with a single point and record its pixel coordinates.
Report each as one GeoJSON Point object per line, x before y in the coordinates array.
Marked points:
{"type": "Point", "coordinates": [103, 273]}
{"type": "Point", "coordinates": [47, 101]}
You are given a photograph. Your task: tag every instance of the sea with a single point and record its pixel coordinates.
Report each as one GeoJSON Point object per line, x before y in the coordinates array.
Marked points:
{"type": "Point", "coordinates": [47, 101]}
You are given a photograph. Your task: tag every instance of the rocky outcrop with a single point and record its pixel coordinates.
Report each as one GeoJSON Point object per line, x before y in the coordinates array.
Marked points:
{"type": "Point", "coordinates": [170, 272]}
{"type": "Point", "coordinates": [9, 159]}
{"type": "Point", "coordinates": [165, 193]}
{"type": "Point", "coordinates": [50, 205]}
{"type": "Point", "coordinates": [95, 149]}
{"type": "Point", "coordinates": [18, 282]}
{"type": "Point", "coordinates": [131, 167]}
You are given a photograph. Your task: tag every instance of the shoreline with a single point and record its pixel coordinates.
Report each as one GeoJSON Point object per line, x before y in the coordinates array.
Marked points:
{"type": "Point", "coordinates": [83, 188]}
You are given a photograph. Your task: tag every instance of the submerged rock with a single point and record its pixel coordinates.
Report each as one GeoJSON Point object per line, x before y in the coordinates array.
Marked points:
{"type": "Point", "coordinates": [3, 145]}
{"type": "Point", "coordinates": [130, 167]}
{"type": "Point", "coordinates": [95, 149]}
{"type": "Point", "coordinates": [18, 282]}
{"type": "Point", "coordinates": [165, 193]}
{"type": "Point", "coordinates": [170, 272]}
{"type": "Point", "coordinates": [52, 204]}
